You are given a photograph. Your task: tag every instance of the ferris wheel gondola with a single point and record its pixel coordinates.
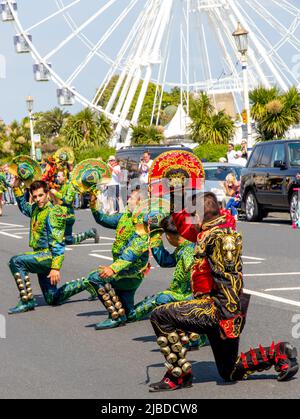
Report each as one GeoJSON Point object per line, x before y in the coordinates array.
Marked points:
{"type": "Point", "coordinates": [105, 54]}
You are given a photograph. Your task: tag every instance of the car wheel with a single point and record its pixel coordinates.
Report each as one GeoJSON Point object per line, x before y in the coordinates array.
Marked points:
{"type": "Point", "coordinates": [252, 209]}
{"type": "Point", "coordinates": [294, 208]}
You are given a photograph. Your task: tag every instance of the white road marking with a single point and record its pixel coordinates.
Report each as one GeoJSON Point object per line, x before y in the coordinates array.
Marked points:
{"type": "Point", "coordinates": [4, 233]}
{"type": "Point", "coordinates": [252, 258]}
{"type": "Point", "coordinates": [273, 298]}
{"type": "Point", "coordinates": [88, 245]}
{"type": "Point", "coordinates": [274, 274]}
{"type": "Point", "coordinates": [283, 289]}
{"type": "Point", "coordinates": [102, 250]}
{"type": "Point", "coordinates": [11, 225]}
{"type": "Point", "coordinates": [16, 229]}
{"type": "Point", "coordinates": [100, 256]}
{"type": "Point", "coordinates": [252, 263]}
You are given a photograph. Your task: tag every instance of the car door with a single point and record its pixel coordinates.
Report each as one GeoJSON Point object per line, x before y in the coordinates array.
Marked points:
{"type": "Point", "coordinates": [276, 178]}
{"type": "Point", "coordinates": [261, 172]}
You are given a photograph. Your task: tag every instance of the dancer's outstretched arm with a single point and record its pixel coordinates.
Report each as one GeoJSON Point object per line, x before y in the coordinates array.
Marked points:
{"type": "Point", "coordinates": [24, 206]}
{"type": "Point", "coordinates": [105, 220]}
{"type": "Point", "coordinates": [162, 256]}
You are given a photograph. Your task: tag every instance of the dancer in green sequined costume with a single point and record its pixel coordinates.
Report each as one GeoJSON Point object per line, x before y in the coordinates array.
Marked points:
{"type": "Point", "coordinates": [2, 189]}
{"type": "Point", "coordinates": [116, 284]}
{"type": "Point", "coordinates": [47, 240]}
{"type": "Point", "coordinates": [65, 197]}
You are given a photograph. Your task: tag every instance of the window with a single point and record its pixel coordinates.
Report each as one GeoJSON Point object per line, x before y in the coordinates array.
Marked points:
{"type": "Point", "coordinates": [254, 158]}
{"type": "Point", "coordinates": [278, 153]}
{"type": "Point", "coordinates": [220, 173]}
{"type": "Point", "coordinates": [265, 160]}
{"type": "Point", "coordinates": [294, 154]}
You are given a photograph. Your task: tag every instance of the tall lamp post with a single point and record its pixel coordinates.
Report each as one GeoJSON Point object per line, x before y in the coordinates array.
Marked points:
{"type": "Point", "coordinates": [241, 37]}
{"type": "Point", "coordinates": [29, 102]}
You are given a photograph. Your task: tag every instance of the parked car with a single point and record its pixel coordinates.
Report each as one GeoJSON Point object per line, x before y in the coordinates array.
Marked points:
{"type": "Point", "coordinates": [130, 157]}
{"type": "Point", "coordinates": [269, 182]}
{"type": "Point", "coordinates": [215, 175]}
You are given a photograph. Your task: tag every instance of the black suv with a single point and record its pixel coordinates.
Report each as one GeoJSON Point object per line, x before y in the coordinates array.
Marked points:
{"type": "Point", "coordinates": [269, 182]}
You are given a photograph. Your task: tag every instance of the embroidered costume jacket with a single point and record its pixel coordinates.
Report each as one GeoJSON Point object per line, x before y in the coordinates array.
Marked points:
{"type": "Point", "coordinates": [130, 250]}
{"type": "Point", "coordinates": [47, 228]}
{"type": "Point", "coordinates": [182, 260]}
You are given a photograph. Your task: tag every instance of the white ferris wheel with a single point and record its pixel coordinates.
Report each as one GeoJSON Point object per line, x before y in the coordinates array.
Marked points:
{"type": "Point", "coordinates": [84, 45]}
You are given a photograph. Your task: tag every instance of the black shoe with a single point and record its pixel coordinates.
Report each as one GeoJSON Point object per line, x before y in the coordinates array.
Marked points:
{"type": "Point", "coordinates": [170, 383]}
{"type": "Point", "coordinates": [286, 361]}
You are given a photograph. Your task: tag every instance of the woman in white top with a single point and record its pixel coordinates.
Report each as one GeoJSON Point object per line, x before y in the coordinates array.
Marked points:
{"type": "Point", "coordinates": [114, 185]}
{"type": "Point", "coordinates": [144, 168]}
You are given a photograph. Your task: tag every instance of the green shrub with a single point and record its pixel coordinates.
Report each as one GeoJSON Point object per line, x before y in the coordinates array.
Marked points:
{"type": "Point", "coordinates": [94, 153]}
{"type": "Point", "coordinates": [210, 152]}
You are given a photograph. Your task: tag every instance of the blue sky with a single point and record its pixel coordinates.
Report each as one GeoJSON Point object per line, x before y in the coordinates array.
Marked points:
{"type": "Point", "coordinates": [16, 75]}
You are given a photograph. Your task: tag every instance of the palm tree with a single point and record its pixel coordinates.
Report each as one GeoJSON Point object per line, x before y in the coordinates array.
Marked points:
{"type": "Point", "coordinates": [150, 135]}
{"type": "Point", "coordinates": [260, 97]}
{"type": "Point", "coordinates": [49, 124]}
{"type": "Point", "coordinates": [18, 137]}
{"type": "Point", "coordinates": [275, 112]}
{"type": "Point", "coordinates": [209, 126]}
{"type": "Point", "coordinates": [87, 129]}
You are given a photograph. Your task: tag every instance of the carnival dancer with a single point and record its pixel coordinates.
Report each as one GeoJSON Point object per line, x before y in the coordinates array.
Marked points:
{"type": "Point", "coordinates": [218, 310]}
{"type": "Point", "coordinates": [3, 187]}
{"type": "Point", "coordinates": [117, 284]}
{"type": "Point", "coordinates": [46, 238]}
{"type": "Point", "coordinates": [65, 197]}
{"type": "Point", "coordinates": [182, 260]}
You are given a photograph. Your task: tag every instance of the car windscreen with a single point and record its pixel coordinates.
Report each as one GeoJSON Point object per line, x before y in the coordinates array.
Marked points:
{"type": "Point", "coordinates": [219, 173]}
{"type": "Point", "coordinates": [294, 154]}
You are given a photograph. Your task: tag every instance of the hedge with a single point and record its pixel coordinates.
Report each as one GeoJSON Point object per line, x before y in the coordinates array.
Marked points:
{"type": "Point", "coordinates": [210, 152]}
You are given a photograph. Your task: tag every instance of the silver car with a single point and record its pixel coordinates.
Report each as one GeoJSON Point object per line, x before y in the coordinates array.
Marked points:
{"type": "Point", "coordinates": [215, 175]}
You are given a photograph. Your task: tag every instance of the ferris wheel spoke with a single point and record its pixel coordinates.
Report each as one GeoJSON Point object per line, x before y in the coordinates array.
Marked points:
{"type": "Point", "coordinates": [139, 24]}
{"type": "Point", "coordinates": [288, 7]}
{"type": "Point", "coordinates": [239, 14]}
{"type": "Point", "coordinates": [217, 25]}
{"type": "Point", "coordinates": [287, 33]}
{"type": "Point", "coordinates": [273, 50]}
{"type": "Point", "coordinates": [80, 28]}
{"type": "Point", "coordinates": [53, 15]}
{"type": "Point", "coordinates": [83, 38]}
{"type": "Point", "coordinates": [101, 42]}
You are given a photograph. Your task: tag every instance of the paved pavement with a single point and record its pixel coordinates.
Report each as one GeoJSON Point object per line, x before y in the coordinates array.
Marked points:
{"type": "Point", "coordinates": [56, 353]}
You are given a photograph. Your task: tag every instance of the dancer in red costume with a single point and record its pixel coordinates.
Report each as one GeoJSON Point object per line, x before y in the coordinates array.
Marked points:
{"type": "Point", "coordinates": [218, 310]}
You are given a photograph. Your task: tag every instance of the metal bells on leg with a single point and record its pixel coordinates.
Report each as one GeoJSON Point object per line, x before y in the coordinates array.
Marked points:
{"type": "Point", "coordinates": [111, 302]}
{"type": "Point", "coordinates": [26, 293]}
{"type": "Point", "coordinates": [114, 307]}
{"type": "Point", "coordinates": [175, 354]}
{"type": "Point", "coordinates": [27, 302]}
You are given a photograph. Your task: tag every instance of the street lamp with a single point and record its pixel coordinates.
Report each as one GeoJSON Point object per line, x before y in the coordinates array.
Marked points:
{"type": "Point", "coordinates": [241, 37]}
{"type": "Point", "coordinates": [29, 102]}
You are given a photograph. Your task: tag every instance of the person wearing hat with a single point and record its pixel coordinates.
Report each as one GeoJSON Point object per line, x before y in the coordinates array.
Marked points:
{"type": "Point", "coordinates": [117, 284]}
{"type": "Point", "coordinates": [3, 186]}
{"type": "Point", "coordinates": [219, 310]}
{"type": "Point", "coordinates": [66, 197]}
{"type": "Point", "coordinates": [113, 188]}
{"type": "Point", "coordinates": [47, 229]}
{"type": "Point", "coordinates": [182, 260]}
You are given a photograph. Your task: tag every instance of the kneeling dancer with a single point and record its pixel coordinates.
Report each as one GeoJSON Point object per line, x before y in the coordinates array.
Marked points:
{"type": "Point", "coordinates": [47, 231]}
{"type": "Point", "coordinates": [219, 313]}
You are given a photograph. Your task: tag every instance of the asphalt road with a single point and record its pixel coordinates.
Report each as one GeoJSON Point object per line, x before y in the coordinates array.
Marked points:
{"type": "Point", "coordinates": [56, 353]}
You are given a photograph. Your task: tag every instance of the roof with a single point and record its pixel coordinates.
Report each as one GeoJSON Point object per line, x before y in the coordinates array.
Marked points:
{"type": "Point", "coordinates": [285, 141]}
{"type": "Point", "coordinates": [179, 125]}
